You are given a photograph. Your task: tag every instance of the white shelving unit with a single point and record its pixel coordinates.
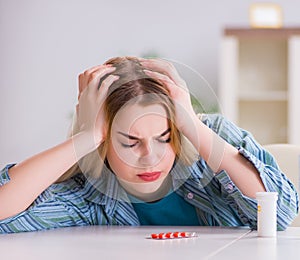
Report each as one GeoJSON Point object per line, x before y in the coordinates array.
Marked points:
{"type": "Point", "coordinates": [260, 82]}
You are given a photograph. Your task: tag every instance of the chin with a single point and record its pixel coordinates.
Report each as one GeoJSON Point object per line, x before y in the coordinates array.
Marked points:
{"type": "Point", "coordinates": [142, 187]}
{"type": "Point", "coordinates": [149, 187]}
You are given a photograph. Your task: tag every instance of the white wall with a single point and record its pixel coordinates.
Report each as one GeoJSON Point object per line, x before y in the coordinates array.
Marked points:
{"type": "Point", "coordinates": [45, 45]}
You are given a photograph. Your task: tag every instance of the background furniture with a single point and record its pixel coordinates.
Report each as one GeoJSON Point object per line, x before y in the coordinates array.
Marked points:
{"type": "Point", "coordinates": [260, 82]}
{"type": "Point", "coordinates": [288, 158]}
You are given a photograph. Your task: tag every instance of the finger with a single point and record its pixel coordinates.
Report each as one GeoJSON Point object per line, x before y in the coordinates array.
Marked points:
{"type": "Point", "coordinates": [105, 85]}
{"type": "Point", "coordinates": [83, 78]}
{"type": "Point", "coordinates": [158, 65]}
{"type": "Point", "coordinates": [108, 82]}
{"type": "Point", "coordinates": [169, 83]}
{"type": "Point", "coordinates": [93, 79]}
{"type": "Point", "coordinates": [163, 67]}
{"type": "Point", "coordinates": [159, 76]}
{"type": "Point", "coordinates": [100, 73]}
{"type": "Point", "coordinates": [92, 69]}
{"type": "Point", "coordinates": [82, 83]}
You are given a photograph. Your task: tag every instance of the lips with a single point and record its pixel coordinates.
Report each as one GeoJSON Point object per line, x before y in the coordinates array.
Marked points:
{"type": "Point", "coordinates": [149, 176]}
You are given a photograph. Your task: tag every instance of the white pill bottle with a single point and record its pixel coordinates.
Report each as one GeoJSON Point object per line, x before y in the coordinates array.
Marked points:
{"type": "Point", "coordinates": [266, 214]}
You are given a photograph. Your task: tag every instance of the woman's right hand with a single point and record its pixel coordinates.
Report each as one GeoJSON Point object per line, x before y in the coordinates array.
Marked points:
{"type": "Point", "coordinates": [90, 115]}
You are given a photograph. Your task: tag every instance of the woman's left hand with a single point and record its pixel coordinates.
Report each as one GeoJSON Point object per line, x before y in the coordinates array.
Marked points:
{"type": "Point", "coordinates": [165, 72]}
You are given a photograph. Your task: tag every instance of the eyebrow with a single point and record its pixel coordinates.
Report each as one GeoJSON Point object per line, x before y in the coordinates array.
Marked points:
{"type": "Point", "coordinates": [131, 137]}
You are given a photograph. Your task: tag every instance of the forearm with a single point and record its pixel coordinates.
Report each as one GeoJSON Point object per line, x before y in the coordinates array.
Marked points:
{"type": "Point", "coordinates": [221, 155]}
{"type": "Point", "coordinates": [32, 176]}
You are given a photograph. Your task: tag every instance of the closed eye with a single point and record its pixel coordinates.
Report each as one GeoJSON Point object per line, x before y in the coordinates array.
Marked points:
{"type": "Point", "coordinates": [165, 134]}
{"type": "Point", "coordinates": [164, 141]}
{"type": "Point", "coordinates": [129, 145]}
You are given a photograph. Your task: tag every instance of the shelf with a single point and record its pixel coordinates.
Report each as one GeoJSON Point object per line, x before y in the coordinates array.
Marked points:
{"type": "Point", "coordinates": [260, 82]}
{"type": "Point", "coordinates": [263, 65]}
{"type": "Point", "coordinates": [263, 95]}
{"type": "Point", "coordinates": [267, 121]}
{"type": "Point", "coordinates": [262, 32]}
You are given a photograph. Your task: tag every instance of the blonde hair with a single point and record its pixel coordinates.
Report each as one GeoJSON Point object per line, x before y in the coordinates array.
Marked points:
{"type": "Point", "coordinates": [133, 84]}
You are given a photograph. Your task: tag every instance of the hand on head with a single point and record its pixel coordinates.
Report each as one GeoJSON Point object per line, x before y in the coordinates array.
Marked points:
{"type": "Point", "coordinates": [90, 116]}
{"type": "Point", "coordinates": [165, 72]}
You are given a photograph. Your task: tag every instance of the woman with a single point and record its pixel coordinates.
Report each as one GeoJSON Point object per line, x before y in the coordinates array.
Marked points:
{"type": "Point", "coordinates": [139, 155]}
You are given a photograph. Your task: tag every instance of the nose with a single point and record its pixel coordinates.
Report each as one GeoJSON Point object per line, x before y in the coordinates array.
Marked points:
{"type": "Point", "coordinates": [148, 155]}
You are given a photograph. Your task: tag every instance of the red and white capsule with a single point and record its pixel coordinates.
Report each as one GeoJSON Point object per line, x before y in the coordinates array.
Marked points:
{"type": "Point", "coordinates": [171, 235]}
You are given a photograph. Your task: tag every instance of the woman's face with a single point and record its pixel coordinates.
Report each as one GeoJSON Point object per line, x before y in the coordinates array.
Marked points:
{"type": "Point", "coordinates": [139, 151]}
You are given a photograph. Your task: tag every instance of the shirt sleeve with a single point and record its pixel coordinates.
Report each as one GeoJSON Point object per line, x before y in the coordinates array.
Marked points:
{"type": "Point", "coordinates": [61, 205]}
{"type": "Point", "coordinates": [4, 176]}
{"type": "Point", "coordinates": [272, 177]}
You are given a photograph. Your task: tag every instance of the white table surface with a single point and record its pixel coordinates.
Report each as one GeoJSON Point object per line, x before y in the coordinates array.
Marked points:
{"type": "Point", "coordinates": [101, 242]}
{"type": "Point", "coordinates": [285, 246]}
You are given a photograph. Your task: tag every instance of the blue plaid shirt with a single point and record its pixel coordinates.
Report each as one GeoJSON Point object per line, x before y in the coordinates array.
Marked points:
{"type": "Point", "coordinates": [217, 200]}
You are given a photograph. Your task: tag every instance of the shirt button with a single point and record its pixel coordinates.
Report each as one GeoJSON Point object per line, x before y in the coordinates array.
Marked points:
{"type": "Point", "coordinates": [190, 195]}
{"type": "Point", "coordinates": [229, 187]}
